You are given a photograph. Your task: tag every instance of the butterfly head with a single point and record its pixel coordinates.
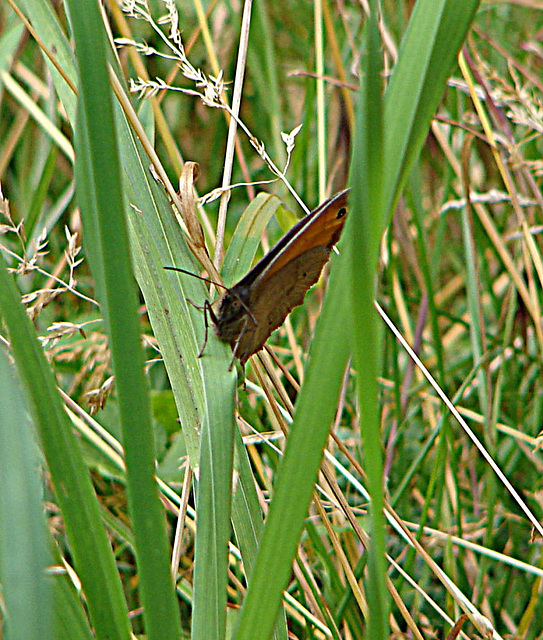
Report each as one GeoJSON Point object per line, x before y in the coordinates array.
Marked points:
{"type": "Point", "coordinates": [234, 315]}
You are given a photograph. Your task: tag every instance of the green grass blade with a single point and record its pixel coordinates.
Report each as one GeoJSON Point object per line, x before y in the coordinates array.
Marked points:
{"type": "Point", "coordinates": [364, 229]}
{"type": "Point", "coordinates": [100, 194]}
{"type": "Point", "coordinates": [435, 33]}
{"type": "Point", "coordinates": [214, 494]}
{"type": "Point", "coordinates": [9, 41]}
{"type": "Point", "coordinates": [23, 547]}
{"type": "Point", "coordinates": [242, 248]}
{"type": "Point", "coordinates": [176, 324]}
{"type": "Point", "coordinates": [298, 469]}
{"type": "Point", "coordinates": [69, 616]}
{"type": "Point", "coordinates": [247, 519]}
{"type": "Point", "coordinates": [89, 544]}
{"type": "Point", "coordinates": [47, 26]}
{"type": "Point", "coordinates": [263, 72]}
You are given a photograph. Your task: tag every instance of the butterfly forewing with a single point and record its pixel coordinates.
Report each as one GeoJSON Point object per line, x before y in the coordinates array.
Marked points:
{"type": "Point", "coordinates": [274, 297]}
{"type": "Point", "coordinates": [260, 302]}
{"type": "Point", "coordinates": [320, 228]}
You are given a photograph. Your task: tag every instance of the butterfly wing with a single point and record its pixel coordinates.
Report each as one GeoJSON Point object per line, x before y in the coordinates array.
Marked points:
{"type": "Point", "coordinates": [260, 302]}
{"type": "Point", "coordinates": [320, 228]}
{"type": "Point", "coordinates": [274, 297]}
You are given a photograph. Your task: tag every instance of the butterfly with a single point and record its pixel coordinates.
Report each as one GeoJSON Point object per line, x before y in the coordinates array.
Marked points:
{"type": "Point", "coordinates": [258, 304]}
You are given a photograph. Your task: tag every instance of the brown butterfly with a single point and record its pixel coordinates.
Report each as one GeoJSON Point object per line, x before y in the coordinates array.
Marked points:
{"type": "Point", "coordinates": [260, 301]}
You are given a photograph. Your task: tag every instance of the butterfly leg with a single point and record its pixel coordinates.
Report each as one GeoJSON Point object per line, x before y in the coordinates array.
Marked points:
{"type": "Point", "coordinates": [236, 345]}
{"type": "Point", "coordinates": [206, 308]}
{"type": "Point", "coordinates": [197, 306]}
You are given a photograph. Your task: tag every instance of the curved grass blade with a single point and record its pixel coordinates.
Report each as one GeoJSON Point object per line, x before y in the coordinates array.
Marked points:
{"type": "Point", "coordinates": [421, 93]}
{"type": "Point", "coordinates": [242, 248]}
{"type": "Point", "coordinates": [93, 558]}
{"type": "Point", "coordinates": [99, 192]}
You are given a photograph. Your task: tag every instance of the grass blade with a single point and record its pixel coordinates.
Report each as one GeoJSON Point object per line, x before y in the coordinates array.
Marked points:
{"type": "Point", "coordinates": [364, 231]}
{"type": "Point", "coordinates": [99, 191]}
{"type": "Point", "coordinates": [23, 548]}
{"type": "Point", "coordinates": [329, 348]}
{"type": "Point", "coordinates": [74, 491]}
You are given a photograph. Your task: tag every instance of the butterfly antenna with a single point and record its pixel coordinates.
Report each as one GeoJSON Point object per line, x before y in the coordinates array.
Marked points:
{"type": "Point", "coordinates": [217, 284]}
{"type": "Point", "coordinates": [194, 275]}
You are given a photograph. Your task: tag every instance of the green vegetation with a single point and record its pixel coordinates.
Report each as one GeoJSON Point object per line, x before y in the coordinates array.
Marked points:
{"type": "Point", "coordinates": [146, 490]}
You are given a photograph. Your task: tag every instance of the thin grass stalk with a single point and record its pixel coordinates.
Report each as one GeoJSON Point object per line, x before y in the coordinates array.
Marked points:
{"type": "Point", "coordinates": [367, 212]}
